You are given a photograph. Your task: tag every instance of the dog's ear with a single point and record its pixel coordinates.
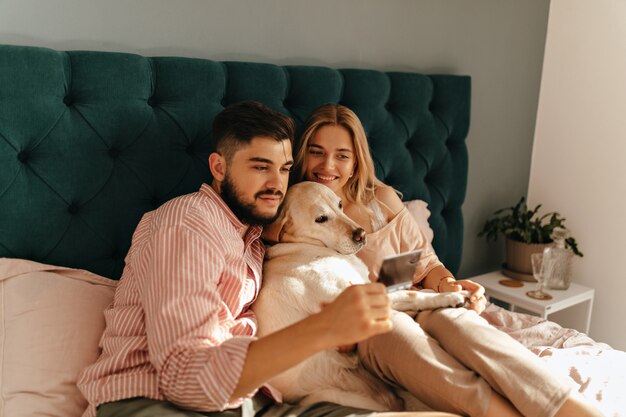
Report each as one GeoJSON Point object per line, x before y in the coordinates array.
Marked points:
{"type": "Point", "coordinates": [273, 233]}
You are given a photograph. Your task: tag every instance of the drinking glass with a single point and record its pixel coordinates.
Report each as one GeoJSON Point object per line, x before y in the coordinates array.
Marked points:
{"type": "Point", "coordinates": [536, 259]}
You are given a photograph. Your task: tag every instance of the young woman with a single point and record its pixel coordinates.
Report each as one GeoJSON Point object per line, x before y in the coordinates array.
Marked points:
{"type": "Point", "coordinates": [451, 359]}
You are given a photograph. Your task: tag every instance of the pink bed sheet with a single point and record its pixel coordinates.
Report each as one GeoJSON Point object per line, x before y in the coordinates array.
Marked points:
{"type": "Point", "coordinates": [595, 370]}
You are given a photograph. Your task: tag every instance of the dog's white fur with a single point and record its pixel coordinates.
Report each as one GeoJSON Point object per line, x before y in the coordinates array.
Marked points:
{"type": "Point", "coordinates": [313, 263]}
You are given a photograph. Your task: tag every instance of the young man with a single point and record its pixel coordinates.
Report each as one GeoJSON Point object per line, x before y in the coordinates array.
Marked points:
{"type": "Point", "coordinates": [179, 338]}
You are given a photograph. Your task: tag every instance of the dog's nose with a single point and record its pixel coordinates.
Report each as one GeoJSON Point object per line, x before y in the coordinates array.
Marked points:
{"type": "Point", "coordinates": [358, 235]}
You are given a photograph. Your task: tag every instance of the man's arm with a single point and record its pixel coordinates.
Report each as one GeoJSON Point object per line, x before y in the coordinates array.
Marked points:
{"type": "Point", "coordinates": [360, 312]}
{"type": "Point", "coordinates": [197, 361]}
{"type": "Point", "coordinates": [198, 366]}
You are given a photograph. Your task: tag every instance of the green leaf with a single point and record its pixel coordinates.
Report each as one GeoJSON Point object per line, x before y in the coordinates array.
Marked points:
{"type": "Point", "coordinates": [525, 225]}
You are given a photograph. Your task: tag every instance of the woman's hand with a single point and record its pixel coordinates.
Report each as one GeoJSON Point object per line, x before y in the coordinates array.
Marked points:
{"type": "Point", "coordinates": [477, 300]}
{"type": "Point", "coordinates": [448, 284]}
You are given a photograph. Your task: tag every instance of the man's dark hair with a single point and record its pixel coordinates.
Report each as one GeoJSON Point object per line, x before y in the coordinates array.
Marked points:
{"type": "Point", "coordinates": [239, 123]}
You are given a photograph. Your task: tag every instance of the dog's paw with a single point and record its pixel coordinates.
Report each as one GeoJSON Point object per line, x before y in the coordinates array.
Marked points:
{"type": "Point", "coordinates": [456, 299]}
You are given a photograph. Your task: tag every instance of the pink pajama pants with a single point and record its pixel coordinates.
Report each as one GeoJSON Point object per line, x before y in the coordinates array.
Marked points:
{"type": "Point", "coordinates": [451, 359]}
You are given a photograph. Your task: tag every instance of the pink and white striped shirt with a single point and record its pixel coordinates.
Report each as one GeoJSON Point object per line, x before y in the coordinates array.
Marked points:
{"type": "Point", "coordinates": [180, 324]}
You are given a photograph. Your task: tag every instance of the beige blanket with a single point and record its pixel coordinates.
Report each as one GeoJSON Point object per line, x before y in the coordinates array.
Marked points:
{"type": "Point", "coordinates": [594, 369]}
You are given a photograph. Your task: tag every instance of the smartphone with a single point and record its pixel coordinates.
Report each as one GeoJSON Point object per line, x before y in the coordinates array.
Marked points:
{"type": "Point", "coordinates": [397, 271]}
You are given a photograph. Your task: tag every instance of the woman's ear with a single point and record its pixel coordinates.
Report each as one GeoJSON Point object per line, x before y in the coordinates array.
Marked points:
{"type": "Point", "coordinates": [217, 165]}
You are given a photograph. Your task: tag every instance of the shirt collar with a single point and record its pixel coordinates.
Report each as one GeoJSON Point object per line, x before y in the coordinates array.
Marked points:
{"type": "Point", "coordinates": [210, 193]}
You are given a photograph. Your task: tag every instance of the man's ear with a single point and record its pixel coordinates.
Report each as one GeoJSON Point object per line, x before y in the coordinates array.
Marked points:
{"type": "Point", "coordinates": [273, 233]}
{"type": "Point", "coordinates": [217, 165]}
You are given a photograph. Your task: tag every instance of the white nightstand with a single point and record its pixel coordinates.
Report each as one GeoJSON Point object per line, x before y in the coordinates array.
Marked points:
{"type": "Point", "coordinates": [575, 295]}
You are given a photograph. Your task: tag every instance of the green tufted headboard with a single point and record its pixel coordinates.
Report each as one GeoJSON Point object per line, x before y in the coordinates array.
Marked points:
{"type": "Point", "coordinates": [89, 141]}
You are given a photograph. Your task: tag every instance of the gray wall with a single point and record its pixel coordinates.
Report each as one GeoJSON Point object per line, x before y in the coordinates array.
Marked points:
{"type": "Point", "coordinates": [499, 43]}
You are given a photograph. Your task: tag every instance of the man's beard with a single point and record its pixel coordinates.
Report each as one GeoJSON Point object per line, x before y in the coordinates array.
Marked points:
{"type": "Point", "coordinates": [247, 212]}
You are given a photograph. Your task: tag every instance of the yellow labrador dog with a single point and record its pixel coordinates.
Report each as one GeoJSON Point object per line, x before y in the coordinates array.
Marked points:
{"type": "Point", "coordinates": [312, 264]}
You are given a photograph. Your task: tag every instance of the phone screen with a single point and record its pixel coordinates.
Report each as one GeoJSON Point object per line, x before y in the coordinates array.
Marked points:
{"type": "Point", "coordinates": [397, 271]}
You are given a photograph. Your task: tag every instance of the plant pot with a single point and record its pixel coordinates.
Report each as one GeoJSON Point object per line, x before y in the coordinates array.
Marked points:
{"type": "Point", "coordinates": [518, 258]}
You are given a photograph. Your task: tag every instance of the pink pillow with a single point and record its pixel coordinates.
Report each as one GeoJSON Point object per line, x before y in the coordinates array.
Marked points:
{"type": "Point", "coordinates": [420, 213]}
{"type": "Point", "coordinates": [51, 320]}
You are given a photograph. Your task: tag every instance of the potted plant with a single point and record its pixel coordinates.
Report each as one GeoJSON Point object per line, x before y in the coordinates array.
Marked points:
{"type": "Point", "coordinates": [526, 232]}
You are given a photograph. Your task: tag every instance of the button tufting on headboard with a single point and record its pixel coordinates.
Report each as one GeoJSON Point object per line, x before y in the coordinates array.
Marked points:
{"type": "Point", "coordinates": [23, 156]}
{"type": "Point", "coordinates": [80, 112]}
{"type": "Point", "coordinates": [114, 152]}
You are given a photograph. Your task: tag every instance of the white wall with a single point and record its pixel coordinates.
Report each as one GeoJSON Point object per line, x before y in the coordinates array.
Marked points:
{"type": "Point", "coordinates": [579, 155]}
{"type": "Point", "coordinates": [498, 42]}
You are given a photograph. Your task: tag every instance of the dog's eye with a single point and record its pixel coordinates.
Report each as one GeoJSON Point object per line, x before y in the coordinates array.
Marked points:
{"type": "Point", "coordinates": [341, 204]}
{"type": "Point", "coordinates": [321, 219]}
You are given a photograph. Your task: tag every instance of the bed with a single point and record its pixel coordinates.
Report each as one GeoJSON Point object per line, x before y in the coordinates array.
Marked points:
{"type": "Point", "coordinates": [89, 141]}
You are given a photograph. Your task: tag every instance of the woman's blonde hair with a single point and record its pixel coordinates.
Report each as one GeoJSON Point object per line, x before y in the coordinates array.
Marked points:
{"type": "Point", "coordinates": [362, 186]}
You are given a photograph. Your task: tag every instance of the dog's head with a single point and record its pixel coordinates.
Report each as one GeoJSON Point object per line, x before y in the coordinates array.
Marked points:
{"type": "Point", "coordinates": [312, 214]}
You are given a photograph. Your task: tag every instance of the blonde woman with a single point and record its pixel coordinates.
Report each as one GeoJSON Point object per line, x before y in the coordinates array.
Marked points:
{"type": "Point", "coordinates": [451, 359]}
